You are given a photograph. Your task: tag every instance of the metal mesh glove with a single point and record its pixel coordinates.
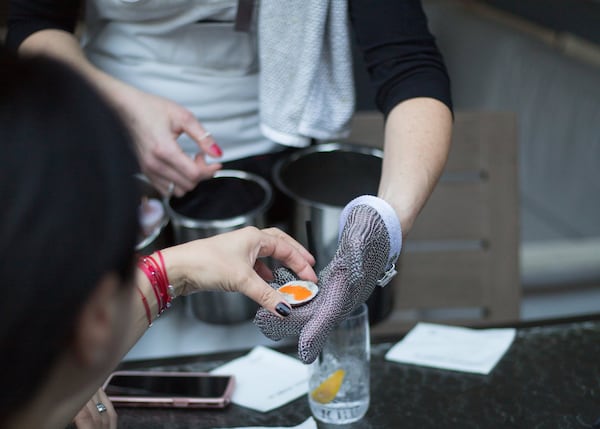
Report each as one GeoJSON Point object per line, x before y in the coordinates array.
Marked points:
{"type": "Point", "coordinates": [369, 244]}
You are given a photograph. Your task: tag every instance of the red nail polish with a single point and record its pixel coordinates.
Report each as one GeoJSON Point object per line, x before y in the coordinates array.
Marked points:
{"type": "Point", "coordinates": [216, 150]}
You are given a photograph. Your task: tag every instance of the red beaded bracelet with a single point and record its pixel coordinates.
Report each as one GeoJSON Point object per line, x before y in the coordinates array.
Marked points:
{"type": "Point", "coordinates": [144, 265]}
{"type": "Point", "coordinates": [157, 275]}
{"type": "Point", "coordinates": [164, 287]}
{"type": "Point", "coordinates": [170, 288]}
{"type": "Point", "coordinates": [146, 306]}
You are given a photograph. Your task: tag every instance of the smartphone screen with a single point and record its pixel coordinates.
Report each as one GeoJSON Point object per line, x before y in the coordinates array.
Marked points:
{"type": "Point", "coordinates": [169, 388]}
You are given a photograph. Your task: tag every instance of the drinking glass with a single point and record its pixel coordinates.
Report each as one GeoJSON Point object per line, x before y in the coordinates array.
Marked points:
{"type": "Point", "coordinates": [339, 379]}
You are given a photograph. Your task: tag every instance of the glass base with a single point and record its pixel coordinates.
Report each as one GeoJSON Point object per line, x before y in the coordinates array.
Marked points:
{"type": "Point", "coordinates": [339, 413]}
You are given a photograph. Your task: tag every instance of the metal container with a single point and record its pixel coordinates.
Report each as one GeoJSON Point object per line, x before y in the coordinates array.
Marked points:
{"type": "Point", "coordinates": [232, 199]}
{"type": "Point", "coordinates": [320, 181]}
{"type": "Point", "coordinates": [162, 235]}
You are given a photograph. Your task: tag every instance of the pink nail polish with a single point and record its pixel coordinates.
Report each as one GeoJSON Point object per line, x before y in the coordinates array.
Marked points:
{"type": "Point", "coordinates": [216, 150]}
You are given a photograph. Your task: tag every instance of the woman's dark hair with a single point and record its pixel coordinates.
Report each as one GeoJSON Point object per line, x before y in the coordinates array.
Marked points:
{"type": "Point", "coordinates": [68, 213]}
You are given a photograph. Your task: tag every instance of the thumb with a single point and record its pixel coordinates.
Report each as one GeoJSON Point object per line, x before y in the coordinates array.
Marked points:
{"type": "Point", "coordinates": [208, 169]}
{"type": "Point", "coordinates": [270, 324]}
{"type": "Point", "coordinates": [313, 337]}
{"type": "Point", "coordinates": [267, 297]}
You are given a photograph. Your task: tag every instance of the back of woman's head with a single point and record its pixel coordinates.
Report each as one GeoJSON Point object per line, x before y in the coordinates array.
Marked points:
{"type": "Point", "coordinates": [67, 215]}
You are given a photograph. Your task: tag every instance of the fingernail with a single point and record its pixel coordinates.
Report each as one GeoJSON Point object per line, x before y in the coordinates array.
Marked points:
{"type": "Point", "coordinates": [215, 150]}
{"type": "Point", "coordinates": [283, 309]}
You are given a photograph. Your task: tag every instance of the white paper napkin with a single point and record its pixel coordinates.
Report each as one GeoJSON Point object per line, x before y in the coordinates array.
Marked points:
{"type": "Point", "coordinates": [450, 347]}
{"type": "Point", "coordinates": [266, 379]}
{"type": "Point", "coordinates": [309, 423]}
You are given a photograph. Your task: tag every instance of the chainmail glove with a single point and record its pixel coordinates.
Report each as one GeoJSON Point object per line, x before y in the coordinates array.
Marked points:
{"type": "Point", "coordinates": [368, 247]}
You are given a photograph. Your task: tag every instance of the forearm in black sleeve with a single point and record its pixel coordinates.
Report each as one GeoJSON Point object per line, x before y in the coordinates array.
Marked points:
{"type": "Point", "coordinates": [400, 53]}
{"type": "Point", "coordinates": [25, 17]}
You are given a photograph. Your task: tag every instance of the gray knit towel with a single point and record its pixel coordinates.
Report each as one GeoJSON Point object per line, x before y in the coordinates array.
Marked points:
{"type": "Point", "coordinates": [306, 85]}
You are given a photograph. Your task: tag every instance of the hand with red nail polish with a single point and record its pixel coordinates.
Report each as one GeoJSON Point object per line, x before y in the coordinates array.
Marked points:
{"type": "Point", "coordinates": [215, 150]}
{"type": "Point", "coordinates": [155, 124]}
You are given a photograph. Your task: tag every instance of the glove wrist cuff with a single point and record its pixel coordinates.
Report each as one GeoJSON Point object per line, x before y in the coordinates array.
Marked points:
{"type": "Point", "coordinates": [392, 224]}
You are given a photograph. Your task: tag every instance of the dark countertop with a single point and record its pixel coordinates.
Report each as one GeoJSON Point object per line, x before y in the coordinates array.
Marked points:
{"type": "Point", "coordinates": [549, 378]}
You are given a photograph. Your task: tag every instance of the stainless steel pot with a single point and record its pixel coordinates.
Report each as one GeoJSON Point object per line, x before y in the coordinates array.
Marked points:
{"type": "Point", "coordinates": [161, 236]}
{"type": "Point", "coordinates": [232, 199]}
{"type": "Point", "coordinates": [320, 181]}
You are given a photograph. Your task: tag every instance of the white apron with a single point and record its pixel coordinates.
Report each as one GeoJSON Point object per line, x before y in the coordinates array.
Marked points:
{"type": "Point", "coordinates": [186, 51]}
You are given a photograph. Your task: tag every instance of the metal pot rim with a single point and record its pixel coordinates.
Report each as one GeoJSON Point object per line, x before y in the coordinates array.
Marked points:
{"type": "Point", "coordinates": [181, 220]}
{"type": "Point", "coordinates": [149, 239]}
{"type": "Point", "coordinates": [321, 147]}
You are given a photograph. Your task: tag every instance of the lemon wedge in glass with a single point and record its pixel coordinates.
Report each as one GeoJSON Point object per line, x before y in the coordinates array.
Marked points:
{"type": "Point", "coordinates": [327, 391]}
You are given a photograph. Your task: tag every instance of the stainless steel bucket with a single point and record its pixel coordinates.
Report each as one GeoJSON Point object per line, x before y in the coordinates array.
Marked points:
{"type": "Point", "coordinates": [162, 235]}
{"type": "Point", "coordinates": [232, 199]}
{"type": "Point", "coordinates": [320, 181]}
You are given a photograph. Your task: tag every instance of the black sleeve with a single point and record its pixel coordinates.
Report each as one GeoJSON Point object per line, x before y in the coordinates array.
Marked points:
{"type": "Point", "coordinates": [400, 53]}
{"type": "Point", "coordinates": [25, 17]}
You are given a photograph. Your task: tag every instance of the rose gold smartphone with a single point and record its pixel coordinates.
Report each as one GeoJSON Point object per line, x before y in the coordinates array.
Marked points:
{"type": "Point", "coordinates": [169, 389]}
